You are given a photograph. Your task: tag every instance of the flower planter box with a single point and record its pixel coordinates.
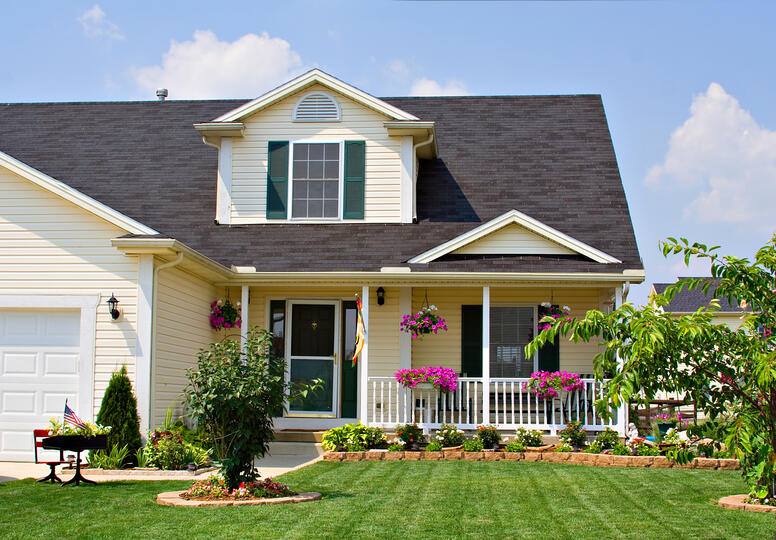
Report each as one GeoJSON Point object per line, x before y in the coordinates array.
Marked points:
{"type": "Point", "coordinates": [76, 443]}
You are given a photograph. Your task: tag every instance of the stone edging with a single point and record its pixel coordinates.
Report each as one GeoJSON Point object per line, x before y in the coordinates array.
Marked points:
{"type": "Point", "coordinates": [576, 458]}
{"type": "Point", "coordinates": [173, 498]}
{"type": "Point", "coordinates": [140, 472]}
{"type": "Point", "coordinates": [736, 502]}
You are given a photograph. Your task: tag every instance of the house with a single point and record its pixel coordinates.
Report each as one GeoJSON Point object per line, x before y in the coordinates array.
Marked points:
{"type": "Point", "coordinates": [292, 204]}
{"type": "Point", "coordinates": [689, 301]}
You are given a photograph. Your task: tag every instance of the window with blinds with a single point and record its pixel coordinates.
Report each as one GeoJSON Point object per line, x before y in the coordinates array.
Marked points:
{"type": "Point", "coordinates": [511, 329]}
{"type": "Point", "coordinates": [317, 107]}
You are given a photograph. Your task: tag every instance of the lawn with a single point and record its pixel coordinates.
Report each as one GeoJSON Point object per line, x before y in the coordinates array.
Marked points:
{"type": "Point", "coordinates": [407, 500]}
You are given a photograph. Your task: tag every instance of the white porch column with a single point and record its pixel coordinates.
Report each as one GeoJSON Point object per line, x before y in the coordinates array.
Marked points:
{"type": "Point", "coordinates": [405, 340]}
{"type": "Point", "coordinates": [622, 412]}
{"type": "Point", "coordinates": [486, 355]}
{"type": "Point", "coordinates": [363, 362]}
{"type": "Point", "coordinates": [145, 296]}
{"type": "Point", "coordinates": [244, 301]}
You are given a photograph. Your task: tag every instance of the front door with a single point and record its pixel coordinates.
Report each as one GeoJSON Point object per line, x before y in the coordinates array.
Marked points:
{"type": "Point", "coordinates": [312, 354]}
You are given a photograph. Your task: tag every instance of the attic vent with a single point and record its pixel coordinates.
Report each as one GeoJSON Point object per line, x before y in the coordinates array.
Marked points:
{"type": "Point", "coordinates": [317, 107]}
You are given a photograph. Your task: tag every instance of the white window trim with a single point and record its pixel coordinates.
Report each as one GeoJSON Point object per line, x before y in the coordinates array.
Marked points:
{"type": "Point", "coordinates": [294, 117]}
{"type": "Point", "coordinates": [535, 321]}
{"type": "Point", "coordinates": [341, 180]}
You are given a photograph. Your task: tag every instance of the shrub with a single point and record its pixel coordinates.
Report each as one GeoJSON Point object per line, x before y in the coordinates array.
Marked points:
{"type": "Point", "coordinates": [529, 437]}
{"type": "Point", "coordinates": [434, 446]}
{"type": "Point", "coordinates": [410, 434]}
{"type": "Point", "coordinates": [620, 449]}
{"type": "Point", "coordinates": [115, 459]}
{"type": "Point", "coordinates": [489, 436]}
{"type": "Point", "coordinates": [234, 392]}
{"type": "Point", "coordinates": [395, 447]}
{"type": "Point", "coordinates": [573, 434]}
{"type": "Point", "coordinates": [564, 447]}
{"type": "Point", "coordinates": [475, 445]}
{"type": "Point", "coordinates": [515, 447]}
{"type": "Point", "coordinates": [608, 438]}
{"type": "Point", "coordinates": [356, 447]}
{"type": "Point", "coordinates": [643, 449]}
{"type": "Point", "coordinates": [168, 451]}
{"type": "Point", "coordinates": [350, 434]}
{"type": "Point", "coordinates": [119, 410]}
{"type": "Point", "coordinates": [594, 448]}
{"type": "Point", "coordinates": [449, 435]}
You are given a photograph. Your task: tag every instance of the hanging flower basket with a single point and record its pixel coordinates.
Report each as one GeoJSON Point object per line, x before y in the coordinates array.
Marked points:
{"type": "Point", "coordinates": [549, 384]}
{"type": "Point", "coordinates": [550, 310]}
{"type": "Point", "coordinates": [445, 379]}
{"type": "Point", "coordinates": [423, 323]}
{"type": "Point", "coordinates": [223, 314]}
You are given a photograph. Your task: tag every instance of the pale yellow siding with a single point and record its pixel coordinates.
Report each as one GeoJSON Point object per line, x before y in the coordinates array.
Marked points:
{"type": "Point", "coordinates": [182, 329]}
{"type": "Point", "coordinates": [249, 156]}
{"type": "Point", "coordinates": [50, 246]}
{"type": "Point", "coordinates": [514, 239]}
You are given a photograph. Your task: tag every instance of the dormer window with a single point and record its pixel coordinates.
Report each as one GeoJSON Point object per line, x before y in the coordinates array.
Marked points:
{"type": "Point", "coordinates": [317, 107]}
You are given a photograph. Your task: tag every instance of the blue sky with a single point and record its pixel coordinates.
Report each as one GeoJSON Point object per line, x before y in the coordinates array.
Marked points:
{"type": "Point", "coordinates": [688, 86]}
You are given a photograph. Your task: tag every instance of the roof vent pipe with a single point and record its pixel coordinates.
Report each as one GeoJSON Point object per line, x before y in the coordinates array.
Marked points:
{"type": "Point", "coordinates": [162, 93]}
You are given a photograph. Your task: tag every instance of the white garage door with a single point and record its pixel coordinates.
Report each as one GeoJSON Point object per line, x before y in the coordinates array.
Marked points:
{"type": "Point", "coordinates": [39, 363]}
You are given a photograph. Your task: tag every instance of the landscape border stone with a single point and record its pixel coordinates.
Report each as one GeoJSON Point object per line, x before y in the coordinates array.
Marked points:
{"type": "Point", "coordinates": [576, 458]}
{"type": "Point", "coordinates": [736, 502]}
{"type": "Point", "coordinates": [173, 498]}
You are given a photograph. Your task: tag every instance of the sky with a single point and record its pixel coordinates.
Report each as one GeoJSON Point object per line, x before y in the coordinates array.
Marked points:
{"type": "Point", "coordinates": [688, 86]}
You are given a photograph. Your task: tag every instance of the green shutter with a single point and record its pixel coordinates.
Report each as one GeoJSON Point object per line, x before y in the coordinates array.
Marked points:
{"type": "Point", "coordinates": [471, 341]}
{"type": "Point", "coordinates": [277, 179]}
{"type": "Point", "coordinates": [549, 354]}
{"type": "Point", "coordinates": [349, 379]}
{"type": "Point", "coordinates": [355, 173]}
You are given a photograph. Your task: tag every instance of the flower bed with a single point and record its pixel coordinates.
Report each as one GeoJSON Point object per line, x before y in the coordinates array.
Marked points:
{"type": "Point", "coordinates": [215, 488]}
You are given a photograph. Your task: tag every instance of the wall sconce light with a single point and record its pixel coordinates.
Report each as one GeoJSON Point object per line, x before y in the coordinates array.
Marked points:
{"type": "Point", "coordinates": [380, 296]}
{"type": "Point", "coordinates": [112, 309]}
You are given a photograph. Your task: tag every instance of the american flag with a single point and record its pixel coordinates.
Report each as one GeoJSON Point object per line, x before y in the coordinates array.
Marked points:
{"type": "Point", "coordinates": [72, 418]}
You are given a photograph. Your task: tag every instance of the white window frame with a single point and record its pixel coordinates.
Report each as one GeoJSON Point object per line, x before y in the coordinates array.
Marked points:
{"type": "Point", "coordinates": [340, 180]}
{"type": "Point", "coordinates": [535, 321]}
{"type": "Point", "coordinates": [308, 120]}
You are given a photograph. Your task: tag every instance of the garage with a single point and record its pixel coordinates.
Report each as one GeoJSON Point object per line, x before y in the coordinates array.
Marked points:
{"type": "Point", "coordinates": [39, 368]}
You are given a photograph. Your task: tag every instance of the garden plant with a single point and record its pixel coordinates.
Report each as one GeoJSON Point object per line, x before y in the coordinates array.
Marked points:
{"type": "Point", "coordinates": [119, 410]}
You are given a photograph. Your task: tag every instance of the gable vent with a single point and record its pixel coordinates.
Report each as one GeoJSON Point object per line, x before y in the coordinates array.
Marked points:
{"type": "Point", "coordinates": [317, 107]}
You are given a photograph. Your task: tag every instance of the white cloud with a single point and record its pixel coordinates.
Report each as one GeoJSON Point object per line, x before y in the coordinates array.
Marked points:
{"type": "Point", "coordinates": [397, 69]}
{"type": "Point", "coordinates": [723, 155]}
{"type": "Point", "coordinates": [430, 87]}
{"type": "Point", "coordinates": [208, 68]}
{"type": "Point", "coordinates": [96, 24]}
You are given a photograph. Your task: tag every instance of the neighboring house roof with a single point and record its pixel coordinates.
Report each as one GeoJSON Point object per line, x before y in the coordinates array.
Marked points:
{"type": "Point", "coordinates": [689, 301]}
{"type": "Point", "coordinates": [549, 157]}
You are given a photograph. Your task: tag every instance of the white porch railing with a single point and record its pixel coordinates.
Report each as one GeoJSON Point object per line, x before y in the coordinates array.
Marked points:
{"type": "Point", "coordinates": [503, 402]}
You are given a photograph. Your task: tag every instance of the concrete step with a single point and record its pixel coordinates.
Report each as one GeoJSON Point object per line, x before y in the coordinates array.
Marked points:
{"type": "Point", "coordinates": [298, 435]}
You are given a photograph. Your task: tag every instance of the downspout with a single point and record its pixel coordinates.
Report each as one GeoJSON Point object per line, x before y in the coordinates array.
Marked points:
{"type": "Point", "coordinates": [204, 140]}
{"type": "Point", "coordinates": [415, 176]}
{"type": "Point", "coordinates": [152, 357]}
{"type": "Point", "coordinates": [625, 291]}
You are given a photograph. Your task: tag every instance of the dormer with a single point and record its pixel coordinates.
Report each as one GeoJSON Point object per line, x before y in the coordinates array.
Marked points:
{"type": "Point", "coordinates": [317, 150]}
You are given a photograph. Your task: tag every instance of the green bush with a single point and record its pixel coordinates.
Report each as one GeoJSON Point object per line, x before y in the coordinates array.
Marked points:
{"type": "Point", "coordinates": [449, 435]}
{"type": "Point", "coordinates": [594, 448]}
{"type": "Point", "coordinates": [410, 434]}
{"type": "Point", "coordinates": [529, 437]}
{"type": "Point", "coordinates": [573, 434]}
{"type": "Point", "coordinates": [489, 436]}
{"type": "Point", "coordinates": [115, 459]}
{"type": "Point", "coordinates": [515, 447]}
{"type": "Point", "coordinates": [475, 445]}
{"type": "Point", "coordinates": [168, 451]}
{"type": "Point", "coordinates": [434, 446]}
{"type": "Point", "coordinates": [350, 434]}
{"type": "Point", "coordinates": [395, 447]}
{"type": "Point", "coordinates": [119, 410]}
{"type": "Point", "coordinates": [564, 447]}
{"type": "Point", "coordinates": [608, 438]}
{"type": "Point", "coordinates": [643, 449]}
{"type": "Point", "coordinates": [356, 447]}
{"type": "Point", "coordinates": [620, 449]}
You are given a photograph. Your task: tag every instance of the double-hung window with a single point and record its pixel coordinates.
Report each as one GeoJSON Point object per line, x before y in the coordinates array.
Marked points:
{"type": "Point", "coordinates": [315, 186]}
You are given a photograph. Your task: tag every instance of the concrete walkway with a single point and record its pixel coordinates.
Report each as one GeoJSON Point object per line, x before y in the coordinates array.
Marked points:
{"type": "Point", "coordinates": [283, 457]}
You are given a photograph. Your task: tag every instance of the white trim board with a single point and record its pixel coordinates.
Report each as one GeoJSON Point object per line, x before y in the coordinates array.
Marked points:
{"type": "Point", "coordinates": [87, 304]}
{"type": "Point", "coordinates": [514, 216]}
{"type": "Point", "coordinates": [73, 195]}
{"type": "Point", "coordinates": [306, 79]}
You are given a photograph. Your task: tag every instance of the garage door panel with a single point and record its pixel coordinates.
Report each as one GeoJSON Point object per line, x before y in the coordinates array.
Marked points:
{"type": "Point", "coordinates": [39, 363]}
{"type": "Point", "coordinates": [20, 363]}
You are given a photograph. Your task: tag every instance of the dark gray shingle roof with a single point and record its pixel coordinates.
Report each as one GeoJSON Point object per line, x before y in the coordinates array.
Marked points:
{"type": "Point", "coordinates": [688, 301]}
{"type": "Point", "coordinates": [550, 157]}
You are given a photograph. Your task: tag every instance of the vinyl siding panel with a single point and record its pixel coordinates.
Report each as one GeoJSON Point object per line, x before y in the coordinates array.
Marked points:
{"type": "Point", "coordinates": [516, 240]}
{"type": "Point", "coordinates": [249, 157]}
{"type": "Point", "coordinates": [182, 329]}
{"type": "Point", "coordinates": [50, 246]}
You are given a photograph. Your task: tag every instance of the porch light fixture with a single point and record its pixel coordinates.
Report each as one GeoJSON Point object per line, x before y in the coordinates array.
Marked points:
{"type": "Point", "coordinates": [112, 309]}
{"type": "Point", "coordinates": [380, 296]}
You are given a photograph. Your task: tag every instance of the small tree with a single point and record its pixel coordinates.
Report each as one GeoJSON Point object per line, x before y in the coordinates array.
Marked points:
{"type": "Point", "coordinates": [119, 410]}
{"type": "Point", "coordinates": [730, 374]}
{"type": "Point", "coordinates": [234, 393]}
